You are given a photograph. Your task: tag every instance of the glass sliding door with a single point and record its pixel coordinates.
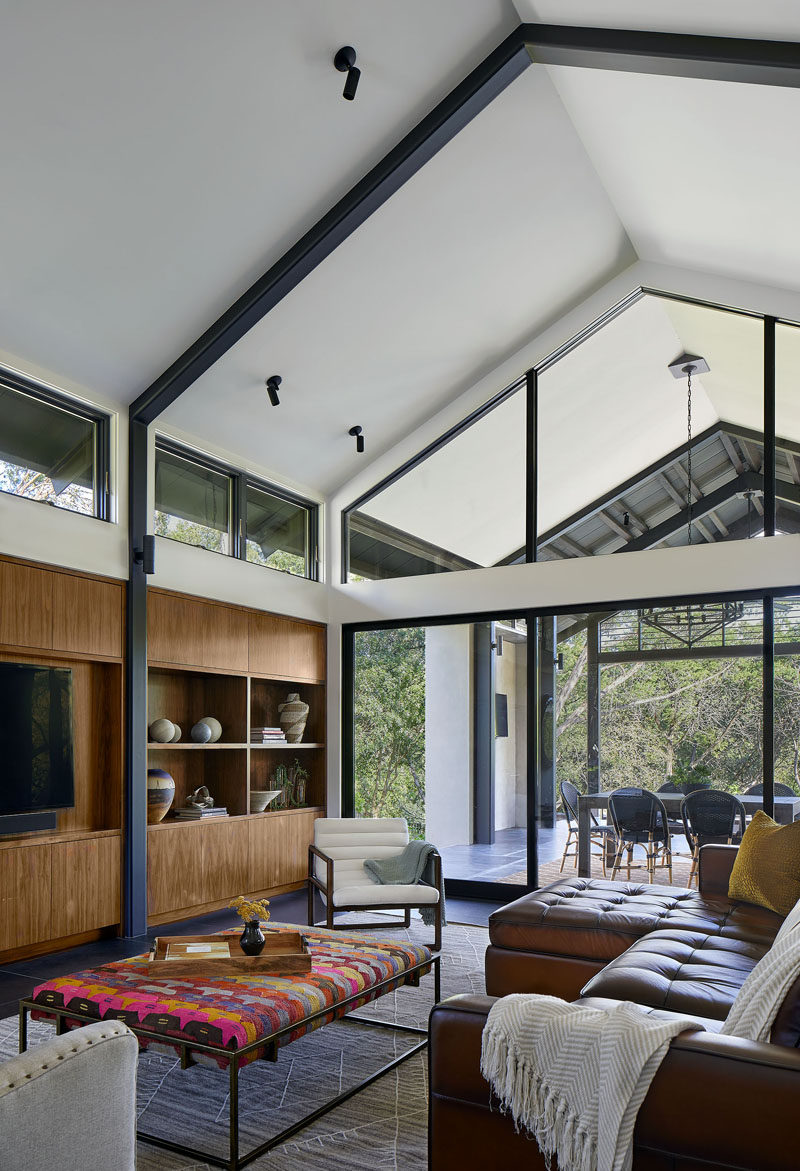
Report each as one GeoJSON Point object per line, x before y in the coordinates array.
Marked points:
{"type": "Point", "coordinates": [440, 737]}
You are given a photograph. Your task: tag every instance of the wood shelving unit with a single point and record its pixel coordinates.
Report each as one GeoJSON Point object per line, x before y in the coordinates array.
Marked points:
{"type": "Point", "coordinates": [237, 665]}
{"type": "Point", "coordinates": [62, 887]}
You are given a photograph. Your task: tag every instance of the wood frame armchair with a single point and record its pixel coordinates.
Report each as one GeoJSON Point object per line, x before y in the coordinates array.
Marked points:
{"type": "Point", "coordinates": [353, 889]}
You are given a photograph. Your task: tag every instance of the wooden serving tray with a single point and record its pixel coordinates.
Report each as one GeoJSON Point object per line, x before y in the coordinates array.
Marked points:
{"type": "Point", "coordinates": [207, 956]}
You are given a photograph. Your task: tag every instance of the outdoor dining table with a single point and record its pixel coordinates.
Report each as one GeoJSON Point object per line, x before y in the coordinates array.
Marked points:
{"type": "Point", "coordinates": [787, 809]}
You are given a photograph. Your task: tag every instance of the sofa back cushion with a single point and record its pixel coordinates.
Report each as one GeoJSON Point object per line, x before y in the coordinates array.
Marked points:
{"type": "Point", "coordinates": [767, 868]}
{"type": "Point", "coordinates": [349, 840]}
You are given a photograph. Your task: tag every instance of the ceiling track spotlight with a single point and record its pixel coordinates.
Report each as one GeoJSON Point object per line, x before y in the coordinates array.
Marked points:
{"type": "Point", "coordinates": [272, 384]}
{"type": "Point", "coordinates": [345, 62]}
{"type": "Point", "coordinates": [359, 438]}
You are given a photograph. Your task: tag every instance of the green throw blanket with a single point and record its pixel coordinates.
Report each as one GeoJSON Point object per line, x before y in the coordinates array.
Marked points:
{"type": "Point", "coordinates": [413, 865]}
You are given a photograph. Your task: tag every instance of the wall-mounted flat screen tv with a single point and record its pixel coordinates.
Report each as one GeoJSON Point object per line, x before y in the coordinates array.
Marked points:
{"type": "Point", "coordinates": [36, 757]}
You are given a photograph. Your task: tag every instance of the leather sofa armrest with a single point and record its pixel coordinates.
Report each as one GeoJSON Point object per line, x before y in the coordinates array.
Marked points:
{"type": "Point", "coordinates": [716, 1101]}
{"type": "Point", "coordinates": [716, 863]}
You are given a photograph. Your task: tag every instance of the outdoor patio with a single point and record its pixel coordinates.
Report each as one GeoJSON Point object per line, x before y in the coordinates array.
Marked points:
{"type": "Point", "coordinates": [505, 859]}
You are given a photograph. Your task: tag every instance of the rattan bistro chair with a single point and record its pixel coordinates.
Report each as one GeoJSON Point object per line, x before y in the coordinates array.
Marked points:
{"type": "Point", "coordinates": [336, 870]}
{"type": "Point", "coordinates": [778, 790]}
{"type": "Point", "coordinates": [640, 819]}
{"type": "Point", "coordinates": [711, 816]}
{"type": "Point", "coordinates": [600, 834]}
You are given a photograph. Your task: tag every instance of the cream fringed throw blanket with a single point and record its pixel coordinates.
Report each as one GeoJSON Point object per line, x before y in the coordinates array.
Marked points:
{"type": "Point", "coordinates": [754, 1010]}
{"type": "Point", "coordinates": [575, 1077]}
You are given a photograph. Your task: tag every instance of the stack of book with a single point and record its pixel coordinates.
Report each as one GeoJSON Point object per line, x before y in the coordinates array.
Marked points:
{"type": "Point", "coordinates": [193, 813]}
{"type": "Point", "coordinates": [267, 736]}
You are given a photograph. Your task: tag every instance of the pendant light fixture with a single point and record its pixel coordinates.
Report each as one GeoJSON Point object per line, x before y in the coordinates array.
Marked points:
{"type": "Point", "coordinates": [686, 366]}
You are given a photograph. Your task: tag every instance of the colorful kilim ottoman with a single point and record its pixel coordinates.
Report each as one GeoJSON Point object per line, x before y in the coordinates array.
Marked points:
{"type": "Point", "coordinates": [231, 1012]}
{"type": "Point", "coordinates": [232, 1020]}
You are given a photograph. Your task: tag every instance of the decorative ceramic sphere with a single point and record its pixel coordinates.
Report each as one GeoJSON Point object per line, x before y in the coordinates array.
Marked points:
{"type": "Point", "coordinates": [215, 726]}
{"type": "Point", "coordinates": [201, 733]}
{"type": "Point", "coordinates": [162, 731]}
{"type": "Point", "coordinates": [160, 793]}
{"type": "Point", "coordinates": [177, 734]}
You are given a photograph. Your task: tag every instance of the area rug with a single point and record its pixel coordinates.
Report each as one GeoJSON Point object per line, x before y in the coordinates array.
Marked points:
{"type": "Point", "coordinates": [384, 1126]}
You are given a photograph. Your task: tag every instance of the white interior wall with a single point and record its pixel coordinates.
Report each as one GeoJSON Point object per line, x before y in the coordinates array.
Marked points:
{"type": "Point", "coordinates": [506, 764]}
{"type": "Point", "coordinates": [448, 735]}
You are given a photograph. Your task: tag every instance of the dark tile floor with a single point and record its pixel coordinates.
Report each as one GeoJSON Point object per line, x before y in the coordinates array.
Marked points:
{"type": "Point", "coordinates": [506, 855]}
{"type": "Point", "coordinates": [19, 978]}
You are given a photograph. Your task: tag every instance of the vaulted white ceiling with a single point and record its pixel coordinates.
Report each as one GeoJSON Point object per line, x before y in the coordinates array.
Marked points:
{"type": "Point", "coordinates": [160, 156]}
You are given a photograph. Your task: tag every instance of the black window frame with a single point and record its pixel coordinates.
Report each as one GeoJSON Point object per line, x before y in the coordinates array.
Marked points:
{"type": "Point", "coordinates": [101, 422]}
{"type": "Point", "coordinates": [240, 481]}
{"type": "Point", "coordinates": [527, 383]}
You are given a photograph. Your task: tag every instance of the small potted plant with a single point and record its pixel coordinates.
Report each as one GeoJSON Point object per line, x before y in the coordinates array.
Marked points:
{"type": "Point", "coordinates": [251, 912]}
{"type": "Point", "coordinates": [298, 777]}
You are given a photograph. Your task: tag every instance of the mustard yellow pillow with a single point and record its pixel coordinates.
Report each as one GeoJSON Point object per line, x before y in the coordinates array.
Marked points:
{"type": "Point", "coordinates": [767, 868]}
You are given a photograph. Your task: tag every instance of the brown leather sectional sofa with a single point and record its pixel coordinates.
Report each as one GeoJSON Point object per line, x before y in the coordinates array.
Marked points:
{"type": "Point", "coordinates": [716, 1102]}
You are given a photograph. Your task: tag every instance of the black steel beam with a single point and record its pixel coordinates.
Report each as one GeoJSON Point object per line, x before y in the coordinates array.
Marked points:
{"type": "Point", "coordinates": [733, 59]}
{"type": "Point", "coordinates": [531, 463]}
{"type": "Point", "coordinates": [135, 835]}
{"type": "Point", "coordinates": [770, 447]}
{"type": "Point", "coordinates": [450, 116]}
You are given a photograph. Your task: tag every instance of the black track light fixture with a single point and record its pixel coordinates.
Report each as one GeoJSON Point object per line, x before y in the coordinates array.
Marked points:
{"type": "Point", "coordinates": [345, 62]}
{"type": "Point", "coordinates": [359, 438]}
{"type": "Point", "coordinates": [273, 382]}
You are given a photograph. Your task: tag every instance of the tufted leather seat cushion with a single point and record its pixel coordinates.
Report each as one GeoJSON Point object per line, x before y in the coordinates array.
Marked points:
{"type": "Point", "coordinates": [597, 920]}
{"type": "Point", "coordinates": [682, 971]}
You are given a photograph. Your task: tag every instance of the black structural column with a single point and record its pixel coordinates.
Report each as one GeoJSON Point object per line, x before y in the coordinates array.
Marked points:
{"type": "Point", "coordinates": [768, 688]}
{"type": "Point", "coordinates": [135, 836]}
{"type": "Point", "coordinates": [592, 707]}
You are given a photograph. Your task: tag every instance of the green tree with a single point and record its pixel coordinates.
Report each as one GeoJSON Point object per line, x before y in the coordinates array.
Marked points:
{"type": "Point", "coordinates": [390, 725]}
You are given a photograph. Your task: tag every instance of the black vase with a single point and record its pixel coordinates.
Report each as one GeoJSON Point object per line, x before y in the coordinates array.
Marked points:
{"type": "Point", "coordinates": [252, 938]}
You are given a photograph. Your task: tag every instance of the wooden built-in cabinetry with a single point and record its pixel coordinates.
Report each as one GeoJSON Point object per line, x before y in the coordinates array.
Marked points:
{"type": "Point", "coordinates": [211, 659]}
{"type": "Point", "coordinates": [62, 886]}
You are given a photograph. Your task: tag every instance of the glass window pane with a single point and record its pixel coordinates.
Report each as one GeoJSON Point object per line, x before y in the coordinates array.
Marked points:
{"type": "Point", "coordinates": [277, 532]}
{"type": "Point", "coordinates": [666, 699]}
{"type": "Point", "coordinates": [192, 503]}
{"type": "Point", "coordinates": [461, 508]}
{"type": "Point", "coordinates": [614, 454]}
{"type": "Point", "coordinates": [46, 453]}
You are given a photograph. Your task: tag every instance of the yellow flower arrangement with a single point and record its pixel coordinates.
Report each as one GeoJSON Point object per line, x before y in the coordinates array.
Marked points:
{"type": "Point", "coordinates": [248, 909]}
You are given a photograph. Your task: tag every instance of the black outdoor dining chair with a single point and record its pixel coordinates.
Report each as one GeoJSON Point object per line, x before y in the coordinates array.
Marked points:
{"type": "Point", "coordinates": [778, 790]}
{"type": "Point", "coordinates": [640, 819]}
{"type": "Point", "coordinates": [711, 815]}
{"type": "Point", "coordinates": [600, 833]}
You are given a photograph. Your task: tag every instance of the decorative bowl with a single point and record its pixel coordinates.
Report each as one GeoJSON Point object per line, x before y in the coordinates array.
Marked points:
{"type": "Point", "coordinates": [260, 799]}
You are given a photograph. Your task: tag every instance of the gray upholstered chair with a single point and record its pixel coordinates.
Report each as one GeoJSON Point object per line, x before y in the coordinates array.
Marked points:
{"type": "Point", "coordinates": [71, 1103]}
{"type": "Point", "coordinates": [336, 870]}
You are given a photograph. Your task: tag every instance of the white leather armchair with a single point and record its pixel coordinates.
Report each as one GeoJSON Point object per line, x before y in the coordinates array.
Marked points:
{"type": "Point", "coordinates": [336, 870]}
{"type": "Point", "coordinates": [71, 1103]}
